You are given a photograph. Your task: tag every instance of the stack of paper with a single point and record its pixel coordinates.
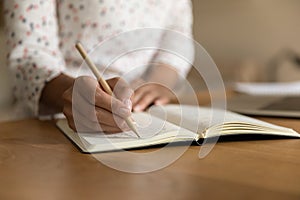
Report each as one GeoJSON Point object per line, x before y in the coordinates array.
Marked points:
{"type": "Point", "coordinates": [284, 89]}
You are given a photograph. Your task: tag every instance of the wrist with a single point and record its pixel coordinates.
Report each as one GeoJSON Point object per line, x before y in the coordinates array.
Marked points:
{"type": "Point", "coordinates": [51, 101]}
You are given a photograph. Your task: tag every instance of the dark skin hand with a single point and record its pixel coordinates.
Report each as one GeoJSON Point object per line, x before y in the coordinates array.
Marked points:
{"type": "Point", "coordinates": [87, 105]}
{"type": "Point", "coordinates": [89, 109]}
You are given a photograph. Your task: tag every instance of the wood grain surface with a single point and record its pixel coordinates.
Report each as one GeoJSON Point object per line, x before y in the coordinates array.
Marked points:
{"type": "Point", "coordinates": [38, 162]}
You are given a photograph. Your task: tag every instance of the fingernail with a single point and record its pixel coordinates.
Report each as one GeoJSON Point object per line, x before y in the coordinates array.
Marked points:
{"type": "Point", "coordinates": [128, 103]}
{"type": "Point", "coordinates": [124, 112]}
{"type": "Point", "coordinates": [137, 108]}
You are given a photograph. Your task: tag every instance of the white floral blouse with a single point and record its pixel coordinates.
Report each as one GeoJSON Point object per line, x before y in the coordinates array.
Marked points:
{"type": "Point", "coordinates": [41, 35]}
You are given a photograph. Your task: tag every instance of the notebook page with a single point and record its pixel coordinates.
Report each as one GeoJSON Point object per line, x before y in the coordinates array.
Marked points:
{"type": "Point", "coordinates": [149, 127]}
{"type": "Point", "coordinates": [203, 116]}
{"type": "Point", "coordinates": [188, 117]}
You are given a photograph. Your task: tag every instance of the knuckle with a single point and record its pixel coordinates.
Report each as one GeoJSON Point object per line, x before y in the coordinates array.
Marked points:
{"type": "Point", "coordinates": [84, 79]}
{"type": "Point", "coordinates": [84, 83]}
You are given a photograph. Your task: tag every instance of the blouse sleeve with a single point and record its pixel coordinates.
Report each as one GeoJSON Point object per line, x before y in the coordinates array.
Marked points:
{"type": "Point", "coordinates": [179, 46]}
{"type": "Point", "coordinates": [33, 48]}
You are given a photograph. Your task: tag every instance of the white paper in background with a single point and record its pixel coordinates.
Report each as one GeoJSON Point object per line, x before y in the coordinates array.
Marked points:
{"type": "Point", "coordinates": [285, 89]}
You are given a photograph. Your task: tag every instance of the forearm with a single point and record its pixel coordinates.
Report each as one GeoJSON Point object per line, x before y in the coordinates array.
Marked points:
{"type": "Point", "coordinates": [51, 99]}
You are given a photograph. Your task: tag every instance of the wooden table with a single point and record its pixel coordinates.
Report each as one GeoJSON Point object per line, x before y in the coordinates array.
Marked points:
{"type": "Point", "coordinates": [38, 162]}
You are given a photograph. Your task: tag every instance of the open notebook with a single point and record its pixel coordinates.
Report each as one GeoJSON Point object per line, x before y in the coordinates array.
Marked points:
{"type": "Point", "coordinates": [174, 123]}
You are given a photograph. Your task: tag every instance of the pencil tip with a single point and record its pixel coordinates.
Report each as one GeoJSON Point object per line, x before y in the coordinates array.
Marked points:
{"type": "Point", "coordinates": [136, 132]}
{"type": "Point", "coordinates": [132, 124]}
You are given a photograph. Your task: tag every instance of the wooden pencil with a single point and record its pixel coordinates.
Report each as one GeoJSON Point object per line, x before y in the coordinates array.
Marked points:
{"type": "Point", "coordinates": [104, 84]}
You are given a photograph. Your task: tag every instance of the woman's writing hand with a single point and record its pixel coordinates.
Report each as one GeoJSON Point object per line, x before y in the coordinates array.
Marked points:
{"type": "Point", "coordinates": [89, 108]}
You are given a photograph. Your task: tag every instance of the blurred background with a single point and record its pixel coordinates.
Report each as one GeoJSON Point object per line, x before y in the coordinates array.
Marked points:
{"type": "Point", "coordinates": [242, 37]}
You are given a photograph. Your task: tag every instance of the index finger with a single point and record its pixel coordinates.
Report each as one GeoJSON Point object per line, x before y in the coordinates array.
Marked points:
{"type": "Point", "coordinates": [121, 89]}
{"type": "Point", "coordinates": [111, 104]}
